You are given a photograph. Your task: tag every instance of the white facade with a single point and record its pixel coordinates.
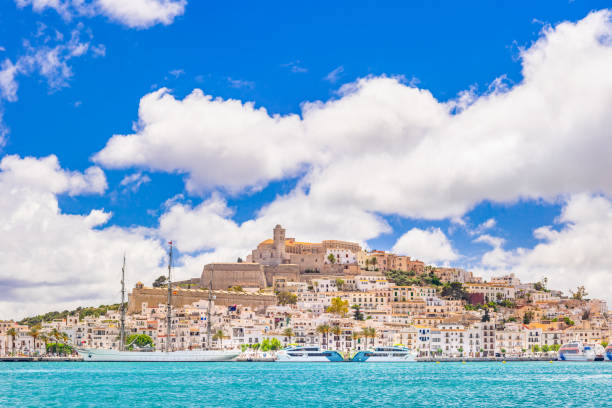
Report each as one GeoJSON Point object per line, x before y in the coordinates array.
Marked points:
{"type": "Point", "coordinates": [366, 283]}
{"type": "Point", "coordinates": [341, 256]}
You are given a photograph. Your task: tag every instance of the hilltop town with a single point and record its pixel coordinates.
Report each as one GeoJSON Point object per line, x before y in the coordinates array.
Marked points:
{"type": "Point", "coordinates": [336, 295]}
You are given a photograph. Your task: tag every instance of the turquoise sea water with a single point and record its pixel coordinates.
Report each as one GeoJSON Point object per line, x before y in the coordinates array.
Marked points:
{"type": "Point", "coordinates": [520, 384]}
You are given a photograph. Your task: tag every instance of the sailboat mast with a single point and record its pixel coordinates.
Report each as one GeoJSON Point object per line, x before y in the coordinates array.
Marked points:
{"type": "Point", "coordinates": [122, 329]}
{"type": "Point", "coordinates": [169, 305]}
{"type": "Point", "coordinates": [210, 299]}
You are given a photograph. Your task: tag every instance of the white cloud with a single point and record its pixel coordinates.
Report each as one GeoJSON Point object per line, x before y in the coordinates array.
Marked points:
{"type": "Point", "coordinates": [52, 260]}
{"type": "Point", "coordinates": [239, 83]}
{"type": "Point", "coordinates": [575, 251]}
{"type": "Point", "coordinates": [45, 174]}
{"type": "Point", "coordinates": [51, 62]}
{"type": "Point", "coordinates": [177, 72]}
{"type": "Point", "coordinates": [142, 13]}
{"type": "Point", "coordinates": [487, 225]}
{"type": "Point", "coordinates": [134, 181]}
{"type": "Point", "coordinates": [295, 67]}
{"type": "Point", "coordinates": [217, 142]}
{"type": "Point", "coordinates": [334, 75]}
{"type": "Point", "coordinates": [495, 242]}
{"type": "Point", "coordinates": [431, 246]}
{"type": "Point", "coordinates": [390, 148]}
{"type": "Point", "coordinates": [132, 13]}
{"type": "Point", "coordinates": [8, 84]}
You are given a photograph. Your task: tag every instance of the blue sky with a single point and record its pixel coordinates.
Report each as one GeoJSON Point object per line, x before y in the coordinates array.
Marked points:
{"type": "Point", "coordinates": [279, 56]}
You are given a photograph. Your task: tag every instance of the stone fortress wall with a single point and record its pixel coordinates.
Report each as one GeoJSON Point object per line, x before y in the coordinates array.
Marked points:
{"type": "Point", "coordinates": [182, 297]}
{"type": "Point", "coordinates": [226, 275]}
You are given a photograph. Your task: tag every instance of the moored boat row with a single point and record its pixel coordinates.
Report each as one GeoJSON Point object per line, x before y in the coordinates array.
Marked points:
{"type": "Point", "coordinates": [315, 354]}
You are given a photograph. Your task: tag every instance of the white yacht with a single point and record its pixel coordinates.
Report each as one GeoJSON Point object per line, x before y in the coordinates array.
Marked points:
{"type": "Point", "coordinates": [308, 354]}
{"type": "Point", "coordinates": [608, 353]}
{"type": "Point", "coordinates": [151, 356]}
{"type": "Point", "coordinates": [395, 354]}
{"type": "Point", "coordinates": [148, 353]}
{"type": "Point", "coordinates": [576, 351]}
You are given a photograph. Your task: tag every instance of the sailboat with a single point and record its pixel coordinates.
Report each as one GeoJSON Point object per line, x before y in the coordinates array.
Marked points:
{"type": "Point", "coordinates": [149, 354]}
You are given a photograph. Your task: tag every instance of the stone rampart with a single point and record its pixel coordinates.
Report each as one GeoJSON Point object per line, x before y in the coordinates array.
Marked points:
{"type": "Point", "coordinates": [290, 272]}
{"type": "Point", "coordinates": [182, 297]}
{"type": "Point", "coordinates": [226, 275]}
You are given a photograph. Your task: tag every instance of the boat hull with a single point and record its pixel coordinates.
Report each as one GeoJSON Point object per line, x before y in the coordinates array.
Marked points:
{"type": "Point", "coordinates": [576, 357]}
{"type": "Point", "coordinates": [100, 355]}
{"type": "Point", "coordinates": [374, 357]}
{"type": "Point", "coordinates": [309, 356]}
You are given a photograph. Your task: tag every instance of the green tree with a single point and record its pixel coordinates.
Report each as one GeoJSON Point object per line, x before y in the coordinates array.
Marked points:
{"type": "Point", "coordinates": [535, 348]}
{"type": "Point", "coordinates": [357, 315]}
{"type": "Point", "coordinates": [12, 332]}
{"type": "Point", "coordinates": [160, 281]}
{"type": "Point", "coordinates": [338, 306]}
{"type": "Point", "coordinates": [580, 293]}
{"type": "Point", "coordinates": [374, 262]}
{"type": "Point", "coordinates": [331, 258]}
{"type": "Point", "coordinates": [139, 340]}
{"type": "Point", "coordinates": [323, 329]}
{"type": "Point", "coordinates": [339, 283]}
{"type": "Point", "coordinates": [35, 333]}
{"type": "Point", "coordinates": [454, 290]}
{"type": "Point", "coordinates": [219, 335]}
{"type": "Point", "coordinates": [59, 348]}
{"type": "Point", "coordinates": [528, 317]}
{"type": "Point", "coordinates": [486, 317]}
{"type": "Point", "coordinates": [288, 332]}
{"type": "Point", "coordinates": [568, 321]}
{"type": "Point", "coordinates": [369, 332]}
{"type": "Point", "coordinates": [545, 348]}
{"type": "Point", "coordinates": [286, 298]}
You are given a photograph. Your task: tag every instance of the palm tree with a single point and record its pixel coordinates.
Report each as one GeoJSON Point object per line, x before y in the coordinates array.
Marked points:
{"type": "Point", "coordinates": [13, 333]}
{"type": "Point", "coordinates": [45, 339]}
{"type": "Point", "coordinates": [35, 333]}
{"type": "Point", "coordinates": [288, 332]}
{"type": "Point", "coordinates": [374, 262]}
{"type": "Point", "coordinates": [365, 333]}
{"type": "Point", "coordinates": [323, 329]}
{"type": "Point", "coordinates": [55, 335]}
{"type": "Point", "coordinates": [357, 335]}
{"type": "Point", "coordinates": [336, 331]}
{"type": "Point", "coordinates": [369, 332]}
{"type": "Point", "coordinates": [219, 335]}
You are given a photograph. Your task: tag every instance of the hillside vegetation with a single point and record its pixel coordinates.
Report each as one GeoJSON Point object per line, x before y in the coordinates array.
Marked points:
{"type": "Point", "coordinates": [80, 311]}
